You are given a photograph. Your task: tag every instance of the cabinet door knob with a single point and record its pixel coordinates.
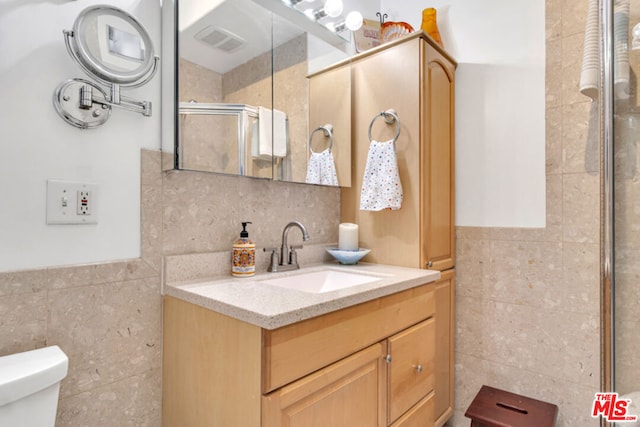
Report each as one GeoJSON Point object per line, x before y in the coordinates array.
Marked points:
{"type": "Point", "coordinates": [387, 358]}
{"type": "Point", "coordinates": [419, 368]}
{"type": "Point", "coordinates": [430, 264]}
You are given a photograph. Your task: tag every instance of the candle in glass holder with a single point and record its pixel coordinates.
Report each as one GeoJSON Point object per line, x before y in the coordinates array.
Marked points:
{"type": "Point", "coordinates": [348, 237]}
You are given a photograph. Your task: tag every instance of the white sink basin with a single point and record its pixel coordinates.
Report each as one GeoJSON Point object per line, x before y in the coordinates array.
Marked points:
{"type": "Point", "coordinates": [318, 282]}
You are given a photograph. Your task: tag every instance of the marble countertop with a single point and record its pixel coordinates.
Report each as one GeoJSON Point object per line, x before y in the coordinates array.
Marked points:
{"type": "Point", "coordinates": [271, 307]}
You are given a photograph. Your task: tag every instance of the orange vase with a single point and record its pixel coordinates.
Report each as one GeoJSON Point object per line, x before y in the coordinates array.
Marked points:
{"type": "Point", "coordinates": [430, 24]}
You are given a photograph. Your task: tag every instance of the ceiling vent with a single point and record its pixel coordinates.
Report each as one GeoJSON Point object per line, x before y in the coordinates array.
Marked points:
{"type": "Point", "coordinates": [220, 39]}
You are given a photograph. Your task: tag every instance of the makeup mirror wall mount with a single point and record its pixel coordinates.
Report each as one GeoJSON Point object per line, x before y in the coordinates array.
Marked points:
{"type": "Point", "coordinates": [114, 49]}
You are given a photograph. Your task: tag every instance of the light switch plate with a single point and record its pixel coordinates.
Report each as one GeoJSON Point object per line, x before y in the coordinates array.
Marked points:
{"type": "Point", "coordinates": [70, 202]}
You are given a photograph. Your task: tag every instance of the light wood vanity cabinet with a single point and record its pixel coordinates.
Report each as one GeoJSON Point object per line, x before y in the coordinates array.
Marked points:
{"type": "Point", "coordinates": [416, 78]}
{"type": "Point", "coordinates": [395, 374]}
{"type": "Point", "coordinates": [372, 364]}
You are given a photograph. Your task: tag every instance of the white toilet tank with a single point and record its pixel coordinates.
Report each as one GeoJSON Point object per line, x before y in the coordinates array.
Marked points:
{"type": "Point", "coordinates": [29, 386]}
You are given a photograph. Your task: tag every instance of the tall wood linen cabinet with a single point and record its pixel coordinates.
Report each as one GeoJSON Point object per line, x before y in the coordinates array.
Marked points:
{"type": "Point", "coordinates": [414, 77]}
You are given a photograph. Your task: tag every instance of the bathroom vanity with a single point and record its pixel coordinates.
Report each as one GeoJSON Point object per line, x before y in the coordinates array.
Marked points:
{"type": "Point", "coordinates": [257, 352]}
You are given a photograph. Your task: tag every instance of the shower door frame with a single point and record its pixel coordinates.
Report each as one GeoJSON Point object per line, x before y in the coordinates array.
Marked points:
{"type": "Point", "coordinates": [607, 294]}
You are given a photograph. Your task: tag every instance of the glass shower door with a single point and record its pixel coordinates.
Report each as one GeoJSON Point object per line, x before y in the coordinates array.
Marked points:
{"type": "Point", "coordinates": [626, 194]}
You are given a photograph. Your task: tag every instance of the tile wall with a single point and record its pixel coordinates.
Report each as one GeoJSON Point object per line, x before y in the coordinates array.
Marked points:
{"type": "Point", "coordinates": [528, 299]}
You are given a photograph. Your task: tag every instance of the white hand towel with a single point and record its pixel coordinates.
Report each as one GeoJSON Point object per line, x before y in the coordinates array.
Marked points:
{"type": "Point", "coordinates": [381, 187]}
{"type": "Point", "coordinates": [321, 169]}
{"type": "Point", "coordinates": [279, 133]}
{"type": "Point", "coordinates": [265, 132]}
{"type": "Point", "coordinates": [272, 134]}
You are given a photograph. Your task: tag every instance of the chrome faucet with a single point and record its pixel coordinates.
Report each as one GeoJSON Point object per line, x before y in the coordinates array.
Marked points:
{"type": "Point", "coordinates": [288, 259]}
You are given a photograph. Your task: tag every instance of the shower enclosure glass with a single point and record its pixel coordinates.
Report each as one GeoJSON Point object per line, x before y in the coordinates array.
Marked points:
{"type": "Point", "coordinates": [621, 121]}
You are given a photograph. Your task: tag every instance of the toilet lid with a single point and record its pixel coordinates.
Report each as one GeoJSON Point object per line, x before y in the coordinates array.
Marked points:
{"type": "Point", "coordinates": [26, 373]}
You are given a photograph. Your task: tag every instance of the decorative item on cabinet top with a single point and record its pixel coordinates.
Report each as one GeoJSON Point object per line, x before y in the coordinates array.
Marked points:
{"type": "Point", "coordinates": [430, 24]}
{"type": "Point", "coordinates": [393, 30]}
{"type": "Point", "coordinates": [115, 49]}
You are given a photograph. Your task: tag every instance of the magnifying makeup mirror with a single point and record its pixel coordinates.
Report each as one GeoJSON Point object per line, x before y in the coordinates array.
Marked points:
{"type": "Point", "coordinates": [114, 49]}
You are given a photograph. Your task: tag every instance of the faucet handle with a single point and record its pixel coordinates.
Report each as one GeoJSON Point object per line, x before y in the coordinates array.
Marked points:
{"type": "Point", "coordinates": [293, 255]}
{"type": "Point", "coordinates": [273, 267]}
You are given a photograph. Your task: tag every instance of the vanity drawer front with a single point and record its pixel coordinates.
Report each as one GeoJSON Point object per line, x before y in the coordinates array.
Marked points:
{"type": "Point", "coordinates": [420, 415]}
{"type": "Point", "coordinates": [296, 350]}
{"type": "Point", "coordinates": [411, 369]}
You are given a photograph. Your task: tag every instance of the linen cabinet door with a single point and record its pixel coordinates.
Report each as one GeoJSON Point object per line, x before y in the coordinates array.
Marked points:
{"type": "Point", "coordinates": [438, 162]}
{"type": "Point", "coordinates": [348, 393]}
{"type": "Point", "coordinates": [411, 368]}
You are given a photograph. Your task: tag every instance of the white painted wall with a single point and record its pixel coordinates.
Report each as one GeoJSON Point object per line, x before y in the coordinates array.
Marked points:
{"type": "Point", "coordinates": [500, 105]}
{"type": "Point", "coordinates": [36, 144]}
{"type": "Point", "coordinates": [499, 45]}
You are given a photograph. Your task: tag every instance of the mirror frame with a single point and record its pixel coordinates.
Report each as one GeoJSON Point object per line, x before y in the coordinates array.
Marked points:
{"type": "Point", "coordinates": [94, 65]}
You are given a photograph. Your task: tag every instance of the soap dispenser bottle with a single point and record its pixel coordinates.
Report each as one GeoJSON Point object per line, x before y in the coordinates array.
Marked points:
{"type": "Point", "coordinates": [243, 255]}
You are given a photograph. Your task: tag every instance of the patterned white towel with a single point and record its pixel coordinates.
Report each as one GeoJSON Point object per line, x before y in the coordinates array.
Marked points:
{"type": "Point", "coordinates": [381, 187]}
{"type": "Point", "coordinates": [321, 169]}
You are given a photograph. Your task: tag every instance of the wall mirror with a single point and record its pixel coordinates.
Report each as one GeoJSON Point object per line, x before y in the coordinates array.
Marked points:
{"type": "Point", "coordinates": [258, 94]}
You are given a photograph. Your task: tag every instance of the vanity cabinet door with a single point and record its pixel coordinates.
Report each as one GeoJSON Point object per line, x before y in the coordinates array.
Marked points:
{"type": "Point", "coordinates": [445, 337]}
{"type": "Point", "coordinates": [345, 394]}
{"type": "Point", "coordinates": [411, 367]}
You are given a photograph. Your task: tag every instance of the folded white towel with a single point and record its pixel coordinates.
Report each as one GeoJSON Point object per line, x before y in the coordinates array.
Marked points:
{"type": "Point", "coordinates": [590, 73]}
{"type": "Point", "coordinates": [271, 135]}
{"type": "Point", "coordinates": [591, 63]}
{"type": "Point", "coordinates": [621, 69]}
{"type": "Point", "coordinates": [321, 169]}
{"type": "Point", "coordinates": [381, 187]}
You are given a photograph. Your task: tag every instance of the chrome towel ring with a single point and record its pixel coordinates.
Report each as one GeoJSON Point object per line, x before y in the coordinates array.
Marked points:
{"type": "Point", "coordinates": [390, 116]}
{"type": "Point", "coordinates": [328, 132]}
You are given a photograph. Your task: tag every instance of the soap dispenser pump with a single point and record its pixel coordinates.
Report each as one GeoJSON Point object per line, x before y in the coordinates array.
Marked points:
{"type": "Point", "coordinates": [243, 255]}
